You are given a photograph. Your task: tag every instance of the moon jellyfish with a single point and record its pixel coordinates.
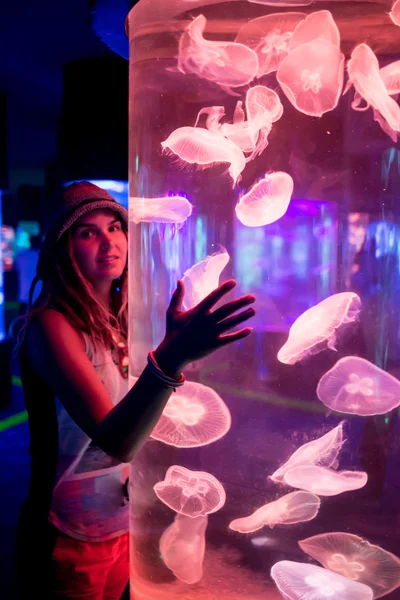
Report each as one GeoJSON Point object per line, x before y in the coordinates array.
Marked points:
{"type": "Point", "coordinates": [390, 76]}
{"type": "Point", "coordinates": [311, 77]}
{"type": "Point", "coordinates": [301, 581]}
{"type": "Point", "coordinates": [267, 201]}
{"type": "Point", "coordinates": [170, 209]}
{"type": "Point", "coordinates": [323, 481]}
{"type": "Point", "coordinates": [269, 37]}
{"type": "Point", "coordinates": [364, 74]}
{"type": "Point", "coordinates": [228, 64]}
{"type": "Point", "coordinates": [195, 145]}
{"type": "Point", "coordinates": [190, 493]}
{"type": "Point", "coordinates": [283, 2]}
{"type": "Point", "coordinates": [182, 547]}
{"type": "Point", "coordinates": [296, 507]}
{"type": "Point", "coordinates": [355, 558]}
{"type": "Point", "coordinates": [395, 13]}
{"type": "Point", "coordinates": [203, 277]}
{"type": "Point", "coordinates": [322, 452]}
{"type": "Point", "coordinates": [194, 416]}
{"type": "Point", "coordinates": [317, 327]}
{"type": "Point", "coordinates": [356, 386]}
{"type": "Point", "coordinates": [318, 25]}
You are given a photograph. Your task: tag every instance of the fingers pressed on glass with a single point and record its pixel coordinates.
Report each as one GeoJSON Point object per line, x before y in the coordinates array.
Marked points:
{"type": "Point", "coordinates": [235, 320]}
{"type": "Point", "coordinates": [215, 296]}
{"type": "Point", "coordinates": [230, 307]}
{"type": "Point", "coordinates": [234, 337]}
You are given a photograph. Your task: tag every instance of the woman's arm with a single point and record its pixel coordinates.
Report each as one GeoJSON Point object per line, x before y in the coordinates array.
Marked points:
{"type": "Point", "coordinates": [56, 352]}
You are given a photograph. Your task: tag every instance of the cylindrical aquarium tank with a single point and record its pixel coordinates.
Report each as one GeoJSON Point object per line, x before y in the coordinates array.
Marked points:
{"type": "Point", "coordinates": [264, 146]}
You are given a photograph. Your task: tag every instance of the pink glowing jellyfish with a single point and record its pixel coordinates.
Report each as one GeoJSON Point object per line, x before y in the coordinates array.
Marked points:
{"type": "Point", "coordinates": [364, 74]}
{"type": "Point", "coordinates": [395, 13]}
{"type": "Point", "coordinates": [183, 545]}
{"type": "Point", "coordinates": [355, 558]}
{"type": "Point", "coordinates": [311, 77]}
{"type": "Point", "coordinates": [195, 416]}
{"type": "Point", "coordinates": [203, 277]}
{"type": "Point", "coordinates": [190, 493]}
{"type": "Point", "coordinates": [390, 76]}
{"type": "Point", "coordinates": [267, 201]}
{"type": "Point", "coordinates": [322, 452]}
{"type": "Point", "coordinates": [198, 146]}
{"type": "Point", "coordinates": [300, 581]}
{"type": "Point", "coordinates": [323, 481]}
{"type": "Point", "coordinates": [318, 326]}
{"type": "Point", "coordinates": [318, 25]}
{"type": "Point", "coordinates": [356, 386]}
{"type": "Point", "coordinates": [226, 63]}
{"type": "Point", "coordinates": [296, 507]}
{"type": "Point", "coordinates": [288, 3]}
{"type": "Point", "coordinates": [169, 209]}
{"type": "Point", "coordinates": [269, 37]}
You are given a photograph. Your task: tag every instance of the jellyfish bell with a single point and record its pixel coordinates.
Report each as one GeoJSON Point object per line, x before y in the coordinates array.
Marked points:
{"type": "Point", "coordinates": [194, 145]}
{"type": "Point", "coordinates": [267, 201]}
{"type": "Point", "coordinates": [228, 64]}
{"type": "Point", "coordinates": [318, 327]}
{"type": "Point", "coordinates": [203, 277]}
{"type": "Point", "coordinates": [364, 74]}
{"type": "Point", "coordinates": [269, 37]}
{"type": "Point", "coordinates": [182, 547]}
{"type": "Point", "coordinates": [190, 493]}
{"type": "Point", "coordinates": [322, 452]}
{"type": "Point", "coordinates": [301, 581]}
{"type": "Point", "coordinates": [194, 416]}
{"type": "Point", "coordinates": [311, 77]}
{"type": "Point", "coordinates": [323, 481]}
{"type": "Point", "coordinates": [296, 507]}
{"type": "Point", "coordinates": [390, 75]}
{"type": "Point", "coordinates": [355, 558]}
{"type": "Point", "coordinates": [356, 386]}
{"type": "Point", "coordinates": [395, 13]}
{"type": "Point", "coordinates": [169, 209]}
{"type": "Point", "coordinates": [318, 25]}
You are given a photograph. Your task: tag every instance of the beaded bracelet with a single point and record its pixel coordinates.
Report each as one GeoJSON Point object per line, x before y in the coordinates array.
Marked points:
{"type": "Point", "coordinates": [156, 370]}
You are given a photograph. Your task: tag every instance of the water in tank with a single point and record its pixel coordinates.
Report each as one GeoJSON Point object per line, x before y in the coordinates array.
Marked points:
{"type": "Point", "coordinates": [264, 146]}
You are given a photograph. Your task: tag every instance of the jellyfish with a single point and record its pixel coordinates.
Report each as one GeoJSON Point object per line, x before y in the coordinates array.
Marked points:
{"type": "Point", "coordinates": [195, 145]}
{"type": "Point", "coordinates": [190, 493]}
{"type": "Point", "coordinates": [355, 558]}
{"type": "Point", "coordinates": [318, 326]}
{"type": "Point", "coordinates": [395, 13]}
{"type": "Point", "coordinates": [323, 481]}
{"type": "Point", "coordinates": [182, 547]}
{"type": "Point", "coordinates": [267, 201]}
{"type": "Point", "coordinates": [283, 2]}
{"type": "Point", "coordinates": [263, 108]}
{"type": "Point", "coordinates": [169, 209]}
{"type": "Point", "coordinates": [390, 76]}
{"type": "Point", "coordinates": [296, 507]}
{"type": "Point", "coordinates": [301, 581]}
{"type": "Point", "coordinates": [318, 25]}
{"type": "Point", "coordinates": [195, 416]}
{"type": "Point", "coordinates": [228, 64]}
{"type": "Point", "coordinates": [311, 77]}
{"type": "Point", "coordinates": [364, 74]}
{"type": "Point", "coordinates": [203, 277]}
{"type": "Point", "coordinates": [356, 386]}
{"type": "Point", "coordinates": [269, 37]}
{"type": "Point", "coordinates": [322, 452]}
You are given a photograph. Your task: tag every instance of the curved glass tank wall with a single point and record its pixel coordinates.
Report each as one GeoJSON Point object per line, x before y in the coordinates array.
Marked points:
{"type": "Point", "coordinates": [264, 147]}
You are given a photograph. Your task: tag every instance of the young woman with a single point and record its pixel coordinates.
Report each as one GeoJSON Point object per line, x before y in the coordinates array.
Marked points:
{"type": "Point", "coordinates": [85, 423]}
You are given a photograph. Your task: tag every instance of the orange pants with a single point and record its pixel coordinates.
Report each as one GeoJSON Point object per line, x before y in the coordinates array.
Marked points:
{"type": "Point", "coordinates": [89, 571]}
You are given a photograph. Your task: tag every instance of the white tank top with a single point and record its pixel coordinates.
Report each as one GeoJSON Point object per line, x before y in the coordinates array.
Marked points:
{"type": "Point", "coordinates": [88, 501]}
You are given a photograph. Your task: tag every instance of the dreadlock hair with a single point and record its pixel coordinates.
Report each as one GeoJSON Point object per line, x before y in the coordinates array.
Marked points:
{"type": "Point", "coordinates": [65, 288]}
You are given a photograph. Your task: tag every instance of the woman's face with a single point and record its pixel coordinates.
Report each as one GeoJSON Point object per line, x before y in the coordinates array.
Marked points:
{"type": "Point", "coordinates": [100, 246]}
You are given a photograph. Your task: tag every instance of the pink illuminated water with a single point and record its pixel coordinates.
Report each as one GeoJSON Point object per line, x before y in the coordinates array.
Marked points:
{"type": "Point", "coordinates": [355, 558]}
{"type": "Point", "coordinates": [263, 146]}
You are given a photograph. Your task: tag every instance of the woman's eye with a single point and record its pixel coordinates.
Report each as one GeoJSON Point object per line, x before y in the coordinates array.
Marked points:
{"type": "Point", "coordinates": [115, 228]}
{"type": "Point", "coordinates": [86, 234]}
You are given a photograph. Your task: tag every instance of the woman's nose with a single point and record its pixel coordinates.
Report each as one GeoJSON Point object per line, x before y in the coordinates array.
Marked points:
{"type": "Point", "coordinates": [106, 241]}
